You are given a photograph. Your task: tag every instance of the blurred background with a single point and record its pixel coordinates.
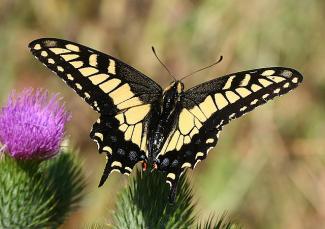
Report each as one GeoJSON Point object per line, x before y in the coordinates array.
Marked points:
{"type": "Point", "coordinates": [267, 170]}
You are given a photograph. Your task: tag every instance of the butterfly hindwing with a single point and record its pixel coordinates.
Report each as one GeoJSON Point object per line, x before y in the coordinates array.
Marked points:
{"type": "Point", "coordinates": [121, 154]}
{"type": "Point", "coordinates": [209, 106]}
{"type": "Point", "coordinates": [120, 93]}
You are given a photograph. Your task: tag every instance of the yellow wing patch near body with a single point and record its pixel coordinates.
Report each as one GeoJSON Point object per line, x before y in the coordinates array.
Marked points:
{"type": "Point", "coordinates": [188, 125]}
{"type": "Point", "coordinates": [131, 123]}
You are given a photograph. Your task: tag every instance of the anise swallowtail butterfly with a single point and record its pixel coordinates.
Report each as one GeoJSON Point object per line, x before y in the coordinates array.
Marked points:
{"type": "Point", "coordinates": [170, 129]}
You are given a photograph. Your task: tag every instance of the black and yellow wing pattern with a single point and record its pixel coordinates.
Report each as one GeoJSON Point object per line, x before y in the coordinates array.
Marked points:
{"type": "Point", "coordinates": [129, 103]}
{"type": "Point", "coordinates": [122, 95]}
{"type": "Point", "coordinates": [206, 108]}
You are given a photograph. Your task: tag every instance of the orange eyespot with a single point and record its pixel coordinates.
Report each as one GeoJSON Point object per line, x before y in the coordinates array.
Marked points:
{"type": "Point", "coordinates": [144, 166]}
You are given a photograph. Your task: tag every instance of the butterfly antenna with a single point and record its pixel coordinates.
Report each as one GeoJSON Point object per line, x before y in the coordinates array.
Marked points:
{"type": "Point", "coordinates": [154, 52]}
{"type": "Point", "coordinates": [201, 69]}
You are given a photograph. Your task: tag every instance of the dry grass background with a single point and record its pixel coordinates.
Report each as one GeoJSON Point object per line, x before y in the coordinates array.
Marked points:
{"type": "Point", "coordinates": [267, 170]}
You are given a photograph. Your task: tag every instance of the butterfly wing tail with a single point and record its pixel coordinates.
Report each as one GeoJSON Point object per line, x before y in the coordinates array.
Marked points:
{"type": "Point", "coordinates": [107, 171]}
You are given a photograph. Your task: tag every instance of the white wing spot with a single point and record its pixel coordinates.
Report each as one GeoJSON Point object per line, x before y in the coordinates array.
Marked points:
{"type": "Point", "coordinates": [99, 135]}
{"type": "Point", "coordinates": [186, 165]}
{"type": "Point", "coordinates": [265, 96]}
{"type": "Point", "coordinates": [171, 176]}
{"type": "Point", "coordinates": [286, 85]}
{"type": "Point", "coordinates": [37, 47]}
{"type": "Point", "coordinates": [108, 149]}
{"type": "Point", "coordinates": [199, 154]}
{"type": "Point", "coordinates": [60, 69]}
{"type": "Point", "coordinates": [79, 86]}
{"type": "Point", "coordinates": [51, 61]}
{"type": "Point", "coordinates": [254, 101]}
{"type": "Point", "coordinates": [87, 95]}
{"type": "Point", "coordinates": [232, 115]}
{"type": "Point", "coordinates": [70, 77]}
{"type": "Point", "coordinates": [210, 140]}
{"type": "Point", "coordinates": [44, 53]}
{"type": "Point", "coordinates": [116, 163]}
{"type": "Point", "coordinates": [243, 108]}
{"type": "Point", "coordinates": [276, 91]}
{"type": "Point", "coordinates": [128, 168]}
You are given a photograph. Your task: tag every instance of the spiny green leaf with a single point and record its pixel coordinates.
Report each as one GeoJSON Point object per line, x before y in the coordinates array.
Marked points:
{"type": "Point", "coordinates": [65, 174]}
{"type": "Point", "coordinates": [144, 204]}
{"type": "Point", "coordinates": [25, 202]}
{"type": "Point", "coordinates": [220, 223]}
{"type": "Point", "coordinates": [34, 195]}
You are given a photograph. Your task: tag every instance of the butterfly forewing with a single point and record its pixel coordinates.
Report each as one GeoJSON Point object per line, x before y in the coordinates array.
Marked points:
{"type": "Point", "coordinates": [121, 94]}
{"type": "Point", "coordinates": [209, 106]}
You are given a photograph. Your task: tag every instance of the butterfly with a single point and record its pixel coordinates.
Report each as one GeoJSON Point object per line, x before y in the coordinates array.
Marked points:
{"type": "Point", "coordinates": [168, 129]}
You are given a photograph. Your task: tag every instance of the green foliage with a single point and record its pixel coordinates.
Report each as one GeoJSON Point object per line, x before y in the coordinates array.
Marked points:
{"type": "Point", "coordinates": [220, 223]}
{"type": "Point", "coordinates": [144, 204]}
{"type": "Point", "coordinates": [26, 201]}
{"type": "Point", "coordinates": [65, 173]}
{"type": "Point", "coordinates": [36, 195]}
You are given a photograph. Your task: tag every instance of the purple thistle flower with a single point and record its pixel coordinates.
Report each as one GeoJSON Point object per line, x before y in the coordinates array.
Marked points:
{"type": "Point", "coordinates": [32, 124]}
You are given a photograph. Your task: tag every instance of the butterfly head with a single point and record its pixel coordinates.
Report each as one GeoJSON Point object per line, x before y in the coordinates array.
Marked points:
{"type": "Point", "coordinates": [173, 92]}
{"type": "Point", "coordinates": [175, 87]}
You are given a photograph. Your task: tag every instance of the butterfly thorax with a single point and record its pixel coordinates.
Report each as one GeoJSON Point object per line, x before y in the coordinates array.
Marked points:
{"type": "Point", "coordinates": [165, 117]}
